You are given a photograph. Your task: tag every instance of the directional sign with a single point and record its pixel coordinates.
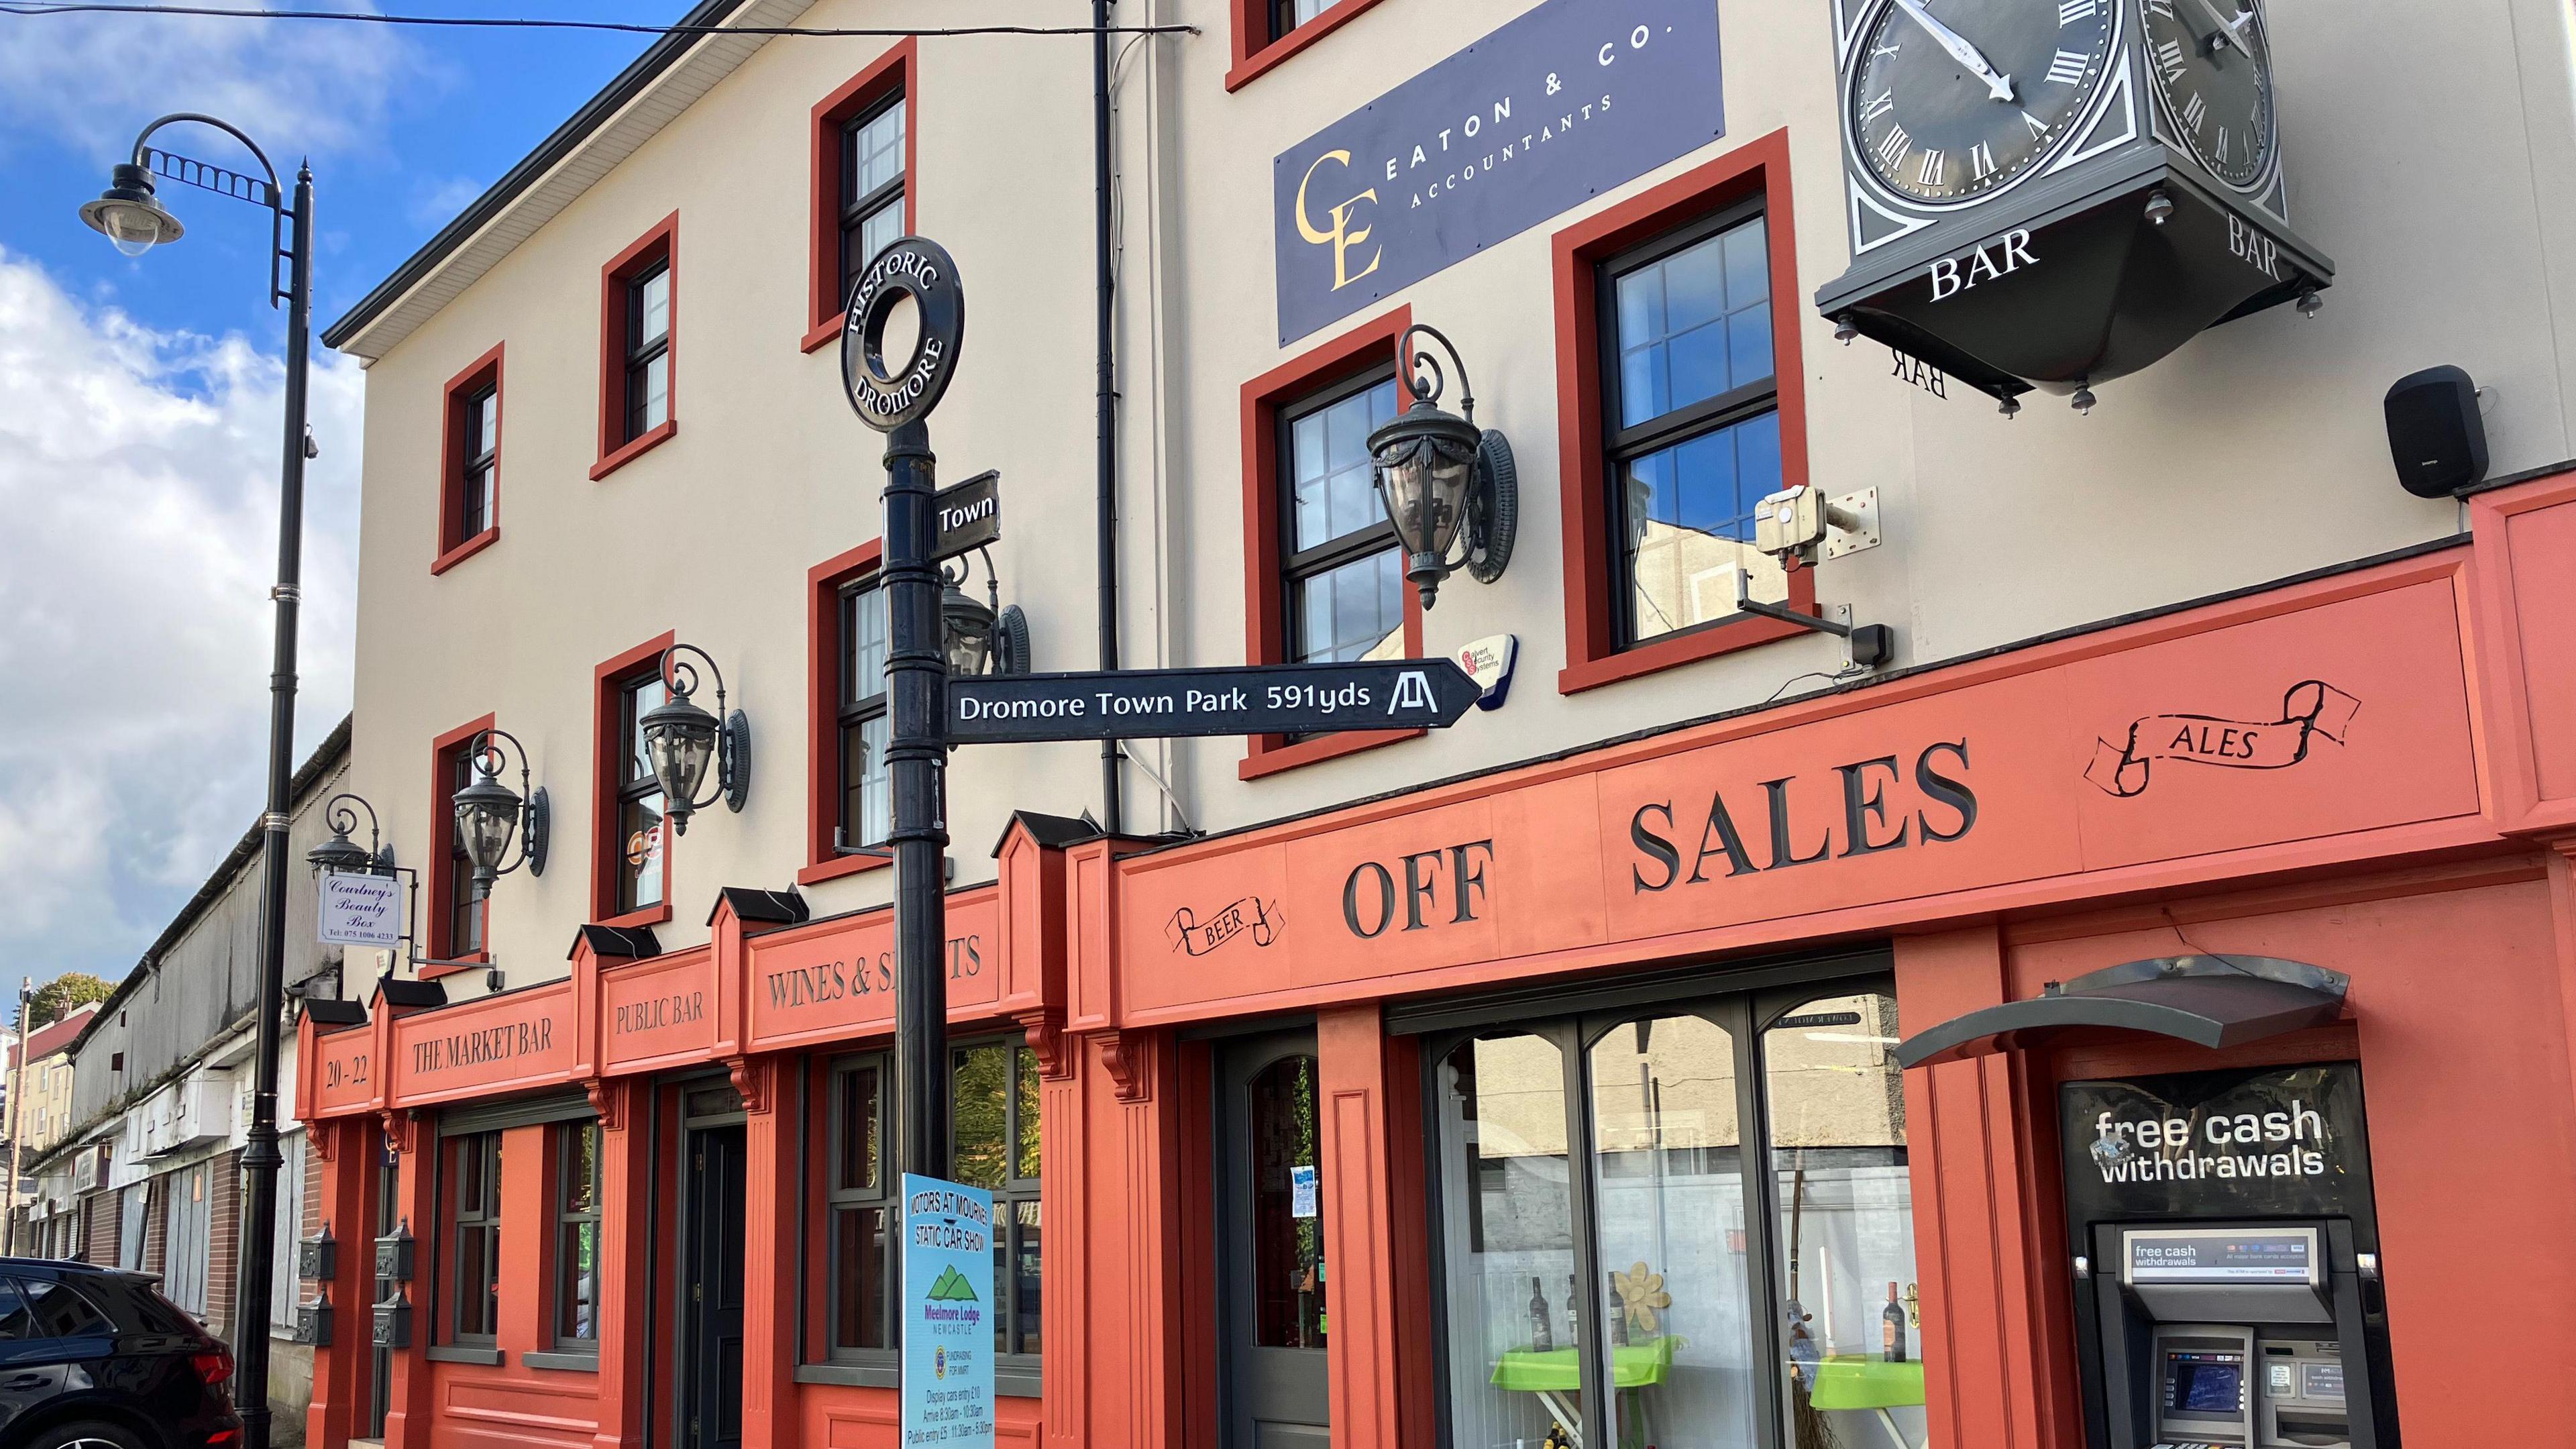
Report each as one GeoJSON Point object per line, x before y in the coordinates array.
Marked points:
{"type": "Point", "coordinates": [1163, 703]}
{"type": "Point", "coordinates": [968, 516]}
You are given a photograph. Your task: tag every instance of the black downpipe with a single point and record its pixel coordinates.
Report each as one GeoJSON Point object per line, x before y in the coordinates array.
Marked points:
{"type": "Point", "coordinates": [1107, 284]}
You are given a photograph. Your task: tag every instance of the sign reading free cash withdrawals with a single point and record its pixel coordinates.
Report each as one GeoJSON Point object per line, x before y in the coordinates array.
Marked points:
{"type": "Point", "coordinates": [948, 1315]}
{"type": "Point", "coordinates": [358, 909]}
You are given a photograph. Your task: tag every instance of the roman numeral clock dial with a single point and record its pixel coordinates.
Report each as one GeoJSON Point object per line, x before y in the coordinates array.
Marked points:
{"type": "Point", "coordinates": [1953, 100]}
{"type": "Point", "coordinates": [2213, 72]}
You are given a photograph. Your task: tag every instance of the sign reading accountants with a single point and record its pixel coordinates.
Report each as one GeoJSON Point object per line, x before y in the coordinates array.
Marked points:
{"type": "Point", "coordinates": [1569, 100]}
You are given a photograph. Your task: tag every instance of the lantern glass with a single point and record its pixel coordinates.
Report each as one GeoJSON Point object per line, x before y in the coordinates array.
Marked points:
{"type": "Point", "coordinates": [487, 814]}
{"type": "Point", "coordinates": [679, 743]}
{"type": "Point", "coordinates": [966, 627]}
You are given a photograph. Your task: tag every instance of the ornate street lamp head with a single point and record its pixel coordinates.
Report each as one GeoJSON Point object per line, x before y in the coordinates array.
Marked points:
{"type": "Point", "coordinates": [340, 854]}
{"type": "Point", "coordinates": [1440, 478]}
{"type": "Point", "coordinates": [343, 855]}
{"type": "Point", "coordinates": [681, 740]}
{"type": "Point", "coordinates": [130, 215]}
{"type": "Point", "coordinates": [489, 813]}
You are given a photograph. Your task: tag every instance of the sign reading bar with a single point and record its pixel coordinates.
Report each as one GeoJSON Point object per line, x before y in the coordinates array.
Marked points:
{"type": "Point", "coordinates": [358, 909]}
{"type": "Point", "coordinates": [947, 1315]}
{"type": "Point", "coordinates": [1556, 107]}
{"type": "Point", "coordinates": [1167, 703]}
{"type": "Point", "coordinates": [968, 515]}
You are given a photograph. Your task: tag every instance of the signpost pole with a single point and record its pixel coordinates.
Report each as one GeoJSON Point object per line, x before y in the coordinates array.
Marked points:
{"type": "Point", "coordinates": [916, 758]}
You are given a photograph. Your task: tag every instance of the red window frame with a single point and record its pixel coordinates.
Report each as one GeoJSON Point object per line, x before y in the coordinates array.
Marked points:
{"type": "Point", "coordinates": [1592, 653]}
{"type": "Point", "coordinates": [897, 72]}
{"type": "Point", "coordinates": [1257, 48]}
{"type": "Point", "coordinates": [443, 753]}
{"type": "Point", "coordinates": [659, 246]}
{"type": "Point", "coordinates": [1366, 347]}
{"type": "Point", "coordinates": [608, 715]}
{"type": "Point", "coordinates": [823, 585]}
{"type": "Point", "coordinates": [454, 545]}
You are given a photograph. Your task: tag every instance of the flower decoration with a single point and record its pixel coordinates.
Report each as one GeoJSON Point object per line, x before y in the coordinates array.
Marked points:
{"type": "Point", "coordinates": [1641, 1292]}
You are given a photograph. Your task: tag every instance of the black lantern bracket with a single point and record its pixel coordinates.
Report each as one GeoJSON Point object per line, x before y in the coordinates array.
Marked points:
{"type": "Point", "coordinates": [343, 854]}
{"type": "Point", "coordinates": [679, 736]}
{"type": "Point", "coordinates": [1461, 505]}
{"type": "Point", "coordinates": [529, 807]}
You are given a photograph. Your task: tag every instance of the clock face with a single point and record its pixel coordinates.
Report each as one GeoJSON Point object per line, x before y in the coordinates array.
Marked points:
{"type": "Point", "coordinates": [1953, 100]}
{"type": "Point", "coordinates": [2213, 69]}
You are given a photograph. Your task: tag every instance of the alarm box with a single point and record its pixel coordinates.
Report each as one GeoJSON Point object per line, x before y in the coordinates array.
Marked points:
{"type": "Point", "coordinates": [393, 1322]}
{"type": "Point", "coordinates": [394, 1254]}
{"type": "Point", "coordinates": [317, 1258]}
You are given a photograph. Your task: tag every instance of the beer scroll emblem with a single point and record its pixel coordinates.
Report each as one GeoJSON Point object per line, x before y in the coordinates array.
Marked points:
{"type": "Point", "coordinates": [2310, 711]}
{"type": "Point", "coordinates": [1249, 915]}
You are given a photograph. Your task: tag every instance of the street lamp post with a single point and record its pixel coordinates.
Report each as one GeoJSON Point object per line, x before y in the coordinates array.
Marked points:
{"type": "Point", "coordinates": [131, 216]}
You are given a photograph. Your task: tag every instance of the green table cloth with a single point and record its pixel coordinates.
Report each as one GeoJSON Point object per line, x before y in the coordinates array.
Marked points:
{"type": "Point", "coordinates": [1856, 1381]}
{"type": "Point", "coordinates": [1526, 1371]}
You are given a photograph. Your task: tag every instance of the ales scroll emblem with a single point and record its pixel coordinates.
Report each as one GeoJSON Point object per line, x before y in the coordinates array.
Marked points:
{"type": "Point", "coordinates": [2312, 710]}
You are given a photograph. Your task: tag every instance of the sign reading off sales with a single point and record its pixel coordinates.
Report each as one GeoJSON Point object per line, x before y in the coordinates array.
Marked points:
{"type": "Point", "coordinates": [1563, 103]}
{"type": "Point", "coordinates": [948, 1315]}
{"type": "Point", "coordinates": [358, 909]}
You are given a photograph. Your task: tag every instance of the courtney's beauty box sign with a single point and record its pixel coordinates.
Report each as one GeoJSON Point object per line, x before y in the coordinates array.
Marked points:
{"type": "Point", "coordinates": [1570, 100]}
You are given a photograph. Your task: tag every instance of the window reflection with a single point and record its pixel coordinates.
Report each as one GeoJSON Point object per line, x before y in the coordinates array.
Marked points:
{"type": "Point", "coordinates": [1508, 1226]}
{"type": "Point", "coordinates": [1844, 1221]}
{"type": "Point", "coordinates": [1287, 1208]}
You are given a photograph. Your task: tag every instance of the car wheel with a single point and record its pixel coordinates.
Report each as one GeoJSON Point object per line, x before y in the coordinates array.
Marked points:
{"type": "Point", "coordinates": [85, 1436]}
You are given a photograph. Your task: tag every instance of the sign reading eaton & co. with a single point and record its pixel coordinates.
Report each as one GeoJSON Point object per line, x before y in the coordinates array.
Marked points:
{"type": "Point", "coordinates": [1571, 99]}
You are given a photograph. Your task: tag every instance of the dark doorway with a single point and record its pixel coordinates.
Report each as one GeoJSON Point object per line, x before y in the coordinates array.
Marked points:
{"type": "Point", "coordinates": [1270, 1225]}
{"type": "Point", "coordinates": [710, 1283]}
{"type": "Point", "coordinates": [380, 1360]}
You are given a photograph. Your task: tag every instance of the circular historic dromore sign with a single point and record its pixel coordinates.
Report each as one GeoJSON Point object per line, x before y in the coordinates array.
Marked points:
{"type": "Point", "coordinates": [921, 270]}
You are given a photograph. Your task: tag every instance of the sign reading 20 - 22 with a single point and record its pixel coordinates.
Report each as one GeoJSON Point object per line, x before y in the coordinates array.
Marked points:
{"type": "Point", "coordinates": [1563, 103]}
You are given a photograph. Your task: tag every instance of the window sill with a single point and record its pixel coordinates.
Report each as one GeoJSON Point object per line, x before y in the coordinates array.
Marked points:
{"type": "Point", "coordinates": [1008, 1383]}
{"type": "Point", "coordinates": [839, 866]}
{"type": "Point", "coordinates": [1253, 66]}
{"type": "Point", "coordinates": [634, 450]}
{"type": "Point", "coordinates": [649, 916]}
{"type": "Point", "coordinates": [479, 961]}
{"type": "Point", "coordinates": [822, 334]}
{"type": "Point", "coordinates": [1271, 761]}
{"type": "Point", "coordinates": [571, 1363]}
{"type": "Point", "coordinates": [473, 1353]}
{"type": "Point", "coordinates": [464, 551]}
{"type": "Point", "coordinates": [1666, 654]}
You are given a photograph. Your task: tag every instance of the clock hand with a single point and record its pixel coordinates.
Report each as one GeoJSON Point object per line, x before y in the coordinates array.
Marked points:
{"type": "Point", "coordinates": [1960, 50]}
{"type": "Point", "coordinates": [2228, 30]}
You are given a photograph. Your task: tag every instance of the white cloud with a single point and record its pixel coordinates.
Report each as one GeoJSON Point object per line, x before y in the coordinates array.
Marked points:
{"type": "Point", "coordinates": [299, 87]}
{"type": "Point", "coordinates": [138, 536]}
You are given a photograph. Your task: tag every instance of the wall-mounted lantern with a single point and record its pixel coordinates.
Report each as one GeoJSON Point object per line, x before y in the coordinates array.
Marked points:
{"type": "Point", "coordinates": [317, 1258]}
{"type": "Point", "coordinates": [1443, 481]}
{"type": "Point", "coordinates": [488, 813]}
{"type": "Point", "coordinates": [393, 1254]}
{"type": "Point", "coordinates": [981, 637]}
{"type": "Point", "coordinates": [393, 1322]}
{"type": "Point", "coordinates": [313, 1322]}
{"type": "Point", "coordinates": [344, 855]}
{"type": "Point", "coordinates": [680, 740]}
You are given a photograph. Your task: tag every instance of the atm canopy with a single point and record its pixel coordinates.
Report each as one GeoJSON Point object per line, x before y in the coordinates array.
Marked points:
{"type": "Point", "coordinates": [2213, 1001]}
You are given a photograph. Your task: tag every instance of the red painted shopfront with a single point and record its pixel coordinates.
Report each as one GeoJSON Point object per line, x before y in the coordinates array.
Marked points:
{"type": "Point", "coordinates": [1625, 1014]}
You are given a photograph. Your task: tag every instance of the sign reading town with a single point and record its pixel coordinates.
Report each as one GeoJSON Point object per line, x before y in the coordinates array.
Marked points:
{"type": "Point", "coordinates": [1168, 703]}
{"type": "Point", "coordinates": [359, 909]}
{"type": "Point", "coordinates": [968, 516]}
{"type": "Point", "coordinates": [947, 1315]}
{"type": "Point", "coordinates": [1567, 101]}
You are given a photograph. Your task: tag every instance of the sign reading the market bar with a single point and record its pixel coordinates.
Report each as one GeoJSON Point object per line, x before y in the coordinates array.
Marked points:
{"type": "Point", "coordinates": [519, 1038]}
{"type": "Point", "coordinates": [1564, 103]}
{"type": "Point", "coordinates": [2276, 1142]}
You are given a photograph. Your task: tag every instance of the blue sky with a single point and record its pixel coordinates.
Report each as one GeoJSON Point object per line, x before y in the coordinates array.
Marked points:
{"type": "Point", "coordinates": [139, 417]}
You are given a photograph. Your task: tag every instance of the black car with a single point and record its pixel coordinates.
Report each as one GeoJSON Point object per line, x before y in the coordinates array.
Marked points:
{"type": "Point", "coordinates": [96, 1358]}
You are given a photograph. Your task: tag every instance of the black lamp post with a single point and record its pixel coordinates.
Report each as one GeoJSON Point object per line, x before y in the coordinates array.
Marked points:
{"type": "Point", "coordinates": [131, 216]}
{"type": "Point", "coordinates": [1440, 477]}
{"type": "Point", "coordinates": [681, 740]}
{"type": "Point", "coordinates": [489, 813]}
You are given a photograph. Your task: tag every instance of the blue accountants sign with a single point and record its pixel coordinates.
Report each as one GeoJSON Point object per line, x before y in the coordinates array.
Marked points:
{"type": "Point", "coordinates": [1571, 99]}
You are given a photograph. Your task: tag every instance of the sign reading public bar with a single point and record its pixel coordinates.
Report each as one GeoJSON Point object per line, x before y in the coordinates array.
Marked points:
{"type": "Point", "coordinates": [657, 1011]}
{"type": "Point", "coordinates": [1567, 101]}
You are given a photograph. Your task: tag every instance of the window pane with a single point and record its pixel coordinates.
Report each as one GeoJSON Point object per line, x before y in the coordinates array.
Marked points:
{"type": "Point", "coordinates": [1353, 612]}
{"type": "Point", "coordinates": [1336, 489]}
{"type": "Point", "coordinates": [1507, 1211]}
{"type": "Point", "coordinates": [1287, 1224]}
{"type": "Point", "coordinates": [56, 1310]}
{"type": "Point", "coordinates": [1844, 1219]}
{"type": "Point", "coordinates": [863, 655]}
{"type": "Point", "coordinates": [878, 151]}
{"type": "Point", "coordinates": [867, 807]}
{"type": "Point", "coordinates": [487, 422]}
{"type": "Point", "coordinates": [981, 1086]}
{"type": "Point", "coordinates": [1694, 324]}
{"type": "Point", "coordinates": [653, 309]}
{"type": "Point", "coordinates": [641, 699]}
{"type": "Point", "coordinates": [1028, 1159]}
{"type": "Point", "coordinates": [1689, 526]}
{"type": "Point", "coordinates": [576, 1281]}
{"type": "Point", "coordinates": [856, 1116]}
{"type": "Point", "coordinates": [581, 1169]}
{"type": "Point", "coordinates": [1668, 1183]}
{"type": "Point", "coordinates": [639, 825]}
{"type": "Point", "coordinates": [1028, 1286]}
{"type": "Point", "coordinates": [859, 1278]}
{"type": "Point", "coordinates": [657, 392]}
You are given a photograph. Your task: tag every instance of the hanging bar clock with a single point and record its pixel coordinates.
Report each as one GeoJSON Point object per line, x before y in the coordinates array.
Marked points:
{"type": "Point", "coordinates": [2053, 193]}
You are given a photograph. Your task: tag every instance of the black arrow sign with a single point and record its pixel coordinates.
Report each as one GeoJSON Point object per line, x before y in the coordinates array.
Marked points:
{"type": "Point", "coordinates": [968, 515]}
{"type": "Point", "coordinates": [1164, 703]}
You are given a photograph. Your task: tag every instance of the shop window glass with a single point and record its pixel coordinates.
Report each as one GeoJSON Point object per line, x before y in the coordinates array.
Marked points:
{"type": "Point", "coordinates": [1508, 1223]}
{"type": "Point", "coordinates": [1843, 1219]}
{"type": "Point", "coordinates": [859, 1204]}
{"type": "Point", "coordinates": [1288, 1309]}
{"type": "Point", "coordinates": [1668, 1190]}
{"type": "Point", "coordinates": [994, 1145]}
{"type": "Point", "coordinates": [577, 1235]}
{"type": "Point", "coordinates": [472, 1183]}
{"type": "Point", "coordinates": [1695, 406]}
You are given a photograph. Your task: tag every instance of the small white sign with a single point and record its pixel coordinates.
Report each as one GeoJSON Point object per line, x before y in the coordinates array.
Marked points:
{"type": "Point", "coordinates": [360, 910]}
{"type": "Point", "coordinates": [1302, 1183]}
{"type": "Point", "coordinates": [1490, 661]}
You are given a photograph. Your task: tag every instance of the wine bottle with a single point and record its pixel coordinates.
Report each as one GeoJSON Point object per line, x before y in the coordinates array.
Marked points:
{"type": "Point", "coordinates": [1894, 1334]}
{"type": "Point", "coordinates": [1542, 1333]}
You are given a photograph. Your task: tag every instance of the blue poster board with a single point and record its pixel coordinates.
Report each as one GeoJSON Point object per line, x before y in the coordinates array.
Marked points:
{"type": "Point", "coordinates": [1566, 101]}
{"type": "Point", "coordinates": [948, 1317]}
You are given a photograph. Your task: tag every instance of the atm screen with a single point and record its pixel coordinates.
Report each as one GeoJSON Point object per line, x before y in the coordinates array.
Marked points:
{"type": "Point", "coordinates": [2204, 1383]}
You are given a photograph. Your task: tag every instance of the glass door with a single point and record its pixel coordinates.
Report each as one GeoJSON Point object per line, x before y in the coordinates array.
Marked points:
{"type": "Point", "coordinates": [1274, 1305]}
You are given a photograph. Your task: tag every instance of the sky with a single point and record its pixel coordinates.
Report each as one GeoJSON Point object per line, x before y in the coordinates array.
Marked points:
{"type": "Point", "coordinates": [141, 408]}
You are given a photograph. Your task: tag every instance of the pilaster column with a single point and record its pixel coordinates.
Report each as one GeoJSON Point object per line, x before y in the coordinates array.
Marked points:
{"type": "Point", "coordinates": [770, 1281]}
{"type": "Point", "coordinates": [625, 1250]}
{"type": "Point", "coordinates": [1366, 1343]}
{"type": "Point", "coordinates": [347, 1179]}
{"type": "Point", "coordinates": [408, 1421]}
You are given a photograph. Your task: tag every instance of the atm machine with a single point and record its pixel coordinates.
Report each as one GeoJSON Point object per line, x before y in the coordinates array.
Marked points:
{"type": "Point", "coordinates": [2226, 1262]}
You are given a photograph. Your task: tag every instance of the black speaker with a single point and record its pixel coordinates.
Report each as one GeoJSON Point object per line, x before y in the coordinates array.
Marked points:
{"type": "Point", "coordinates": [2435, 433]}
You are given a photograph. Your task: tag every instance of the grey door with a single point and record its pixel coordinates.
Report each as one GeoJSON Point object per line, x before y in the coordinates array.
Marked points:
{"type": "Point", "coordinates": [711, 1289]}
{"type": "Point", "coordinates": [1270, 1246]}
